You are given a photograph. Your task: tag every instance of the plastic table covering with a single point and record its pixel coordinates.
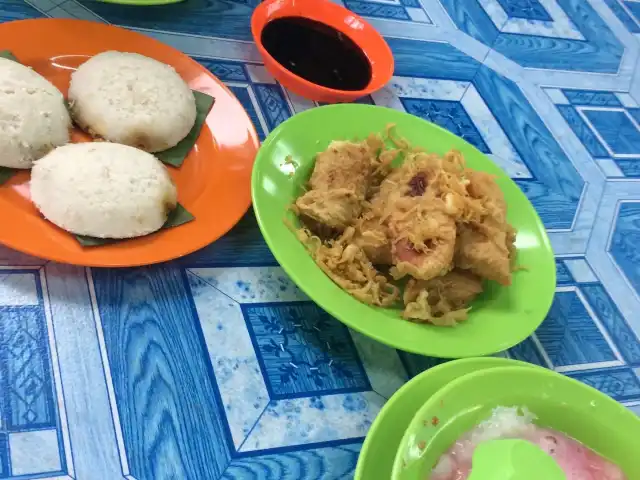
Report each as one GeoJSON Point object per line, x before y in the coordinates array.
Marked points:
{"type": "Point", "coordinates": [210, 368]}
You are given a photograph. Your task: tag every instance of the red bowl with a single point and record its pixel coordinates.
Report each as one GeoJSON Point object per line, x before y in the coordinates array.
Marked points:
{"type": "Point", "coordinates": [348, 23]}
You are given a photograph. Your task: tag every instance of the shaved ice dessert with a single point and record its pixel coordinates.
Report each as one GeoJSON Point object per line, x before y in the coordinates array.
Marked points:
{"type": "Point", "coordinates": [576, 461]}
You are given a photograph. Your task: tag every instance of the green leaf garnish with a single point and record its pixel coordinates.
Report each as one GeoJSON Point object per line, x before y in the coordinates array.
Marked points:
{"type": "Point", "coordinates": [178, 216]}
{"type": "Point", "coordinates": [176, 155]}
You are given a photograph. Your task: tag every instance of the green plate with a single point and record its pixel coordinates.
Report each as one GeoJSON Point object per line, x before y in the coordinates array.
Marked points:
{"type": "Point", "coordinates": [500, 318]}
{"type": "Point", "coordinates": [559, 402]}
{"type": "Point", "coordinates": [382, 442]}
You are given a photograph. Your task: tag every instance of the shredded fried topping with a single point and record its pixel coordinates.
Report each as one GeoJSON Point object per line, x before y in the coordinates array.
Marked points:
{"type": "Point", "coordinates": [347, 265]}
{"type": "Point", "coordinates": [426, 216]}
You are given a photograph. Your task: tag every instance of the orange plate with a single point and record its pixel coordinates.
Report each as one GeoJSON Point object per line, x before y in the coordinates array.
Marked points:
{"type": "Point", "coordinates": [213, 183]}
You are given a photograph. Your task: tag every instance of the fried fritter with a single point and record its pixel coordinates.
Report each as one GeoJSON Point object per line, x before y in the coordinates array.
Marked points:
{"type": "Point", "coordinates": [485, 244]}
{"type": "Point", "coordinates": [441, 300]}
{"type": "Point", "coordinates": [430, 218]}
{"type": "Point", "coordinates": [338, 186]}
{"type": "Point", "coordinates": [423, 237]}
{"type": "Point", "coordinates": [328, 213]}
{"type": "Point", "coordinates": [486, 256]}
{"type": "Point", "coordinates": [426, 251]}
{"type": "Point", "coordinates": [483, 187]}
{"type": "Point", "coordinates": [456, 289]}
{"type": "Point", "coordinates": [372, 229]}
{"type": "Point", "coordinates": [348, 266]}
{"type": "Point", "coordinates": [373, 237]}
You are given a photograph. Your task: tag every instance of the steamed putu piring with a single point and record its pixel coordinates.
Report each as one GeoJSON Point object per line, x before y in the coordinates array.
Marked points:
{"type": "Point", "coordinates": [431, 221]}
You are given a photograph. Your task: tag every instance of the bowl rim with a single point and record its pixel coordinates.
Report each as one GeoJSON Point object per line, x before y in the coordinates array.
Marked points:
{"type": "Point", "coordinates": [482, 363]}
{"type": "Point", "coordinates": [317, 11]}
{"type": "Point", "coordinates": [542, 373]}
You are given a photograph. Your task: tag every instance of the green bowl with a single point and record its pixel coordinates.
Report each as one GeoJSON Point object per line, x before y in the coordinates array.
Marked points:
{"type": "Point", "coordinates": [499, 319]}
{"type": "Point", "coordinates": [559, 402]}
{"type": "Point", "coordinates": [383, 439]}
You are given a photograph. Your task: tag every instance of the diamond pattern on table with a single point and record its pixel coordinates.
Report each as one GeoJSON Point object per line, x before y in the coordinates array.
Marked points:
{"type": "Point", "coordinates": [264, 102]}
{"type": "Point", "coordinates": [227, 71]}
{"type": "Point", "coordinates": [378, 10]}
{"type": "Point", "coordinates": [448, 114]}
{"type": "Point", "coordinates": [621, 383]}
{"type": "Point", "coordinates": [307, 378]}
{"type": "Point", "coordinates": [17, 10]}
{"type": "Point", "coordinates": [30, 440]}
{"type": "Point", "coordinates": [26, 381]}
{"type": "Point", "coordinates": [594, 98]}
{"type": "Point", "coordinates": [633, 8]}
{"type": "Point", "coordinates": [625, 241]}
{"type": "Point", "coordinates": [570, 335]}
{"type": "Point", "coordinates": [605, 125]}
{"type": "Point", "coordinates": [529, 9]}
{"type": "Point", "coordinates": [616, 129]}
{"type": "Point", "coordinates": [273, 104]}
{"type": "Point", "coordinates": [575, 39]}
{"type": "Point", "coordinates": [303, 351]}
{"type": "Point", "coordinates": [624, 14]}
{"type": "Point", "coordinates": [584, 330]}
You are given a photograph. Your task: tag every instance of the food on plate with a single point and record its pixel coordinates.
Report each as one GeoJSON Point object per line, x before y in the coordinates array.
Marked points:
{"type": "Point", "coordinates": [131, 99]}
{"type": "Point", "coordinates": [347, 265]}
{"type": "Point", "coordinates": [576, 460]}
{"type": "Point", "coordinates": [103, 190]}
{"type": "Point", "coordinates": [373, 237]}
{"type": "Point", "coordinates": [442, 300]}
{"type": "Point", "coordinates": [33, 116]}
{"type": "Point", "coordinates": [337, 188]}
{"type": "Point", "coordinates": [485, 247]}
{"type": "Point", "coordinates": [430, 221]}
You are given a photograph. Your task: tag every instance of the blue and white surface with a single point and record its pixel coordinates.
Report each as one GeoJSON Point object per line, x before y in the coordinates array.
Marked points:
{"type": "Point", "coordinates": [218, 367]}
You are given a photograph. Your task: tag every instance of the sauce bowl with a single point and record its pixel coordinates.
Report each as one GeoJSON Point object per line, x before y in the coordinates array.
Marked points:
{"type": "Point", "coordinates": [339, 18]}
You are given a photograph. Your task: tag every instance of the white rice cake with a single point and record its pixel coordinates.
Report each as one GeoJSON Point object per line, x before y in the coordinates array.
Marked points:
{"type": "Point", "coordinates": [103, 190]}
{"type": "Point", "coordinates": [132, 99]}
{"type": "Point", "coordinates": [33, 116]}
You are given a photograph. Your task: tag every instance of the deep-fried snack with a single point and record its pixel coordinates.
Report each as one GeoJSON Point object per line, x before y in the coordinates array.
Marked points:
{"type": "Point", "coordinates": [328, 213]}
{"type": "Point", "coordinates": [485, 244]}
{"type": "Point", "coordinates": [441, 300]}
{"type": "Point", "coordinates": [338, 185]}
{"type": "Point", "coordinates": [372, 229]}
{"type": "Point", "coordinates": [372, 235]}
{"type": "Point", "coordinates": [482, 186]}
{"type": "Point", "coordinates": [431, 218]}
{"type": "Point", "coordinates": [439, 177]}
{"type": "Point", "coordinates": [423, 238]}
{"type": "Point", "coordinates": [486, 256]}
{"type": "Point", "coordinates": [348, 266]}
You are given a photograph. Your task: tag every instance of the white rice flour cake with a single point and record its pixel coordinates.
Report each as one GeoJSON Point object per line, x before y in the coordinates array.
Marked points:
{"type": "Point", "coordinates": [33, 116]}
{"type": "Point", "coordinates": [132, 99]}
{"type": "Point", "coordinates": [103, 190]}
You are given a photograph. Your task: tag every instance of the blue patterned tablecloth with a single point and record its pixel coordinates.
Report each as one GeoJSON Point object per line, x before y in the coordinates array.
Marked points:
{"type": "Point", "coordinates": [217, 367]}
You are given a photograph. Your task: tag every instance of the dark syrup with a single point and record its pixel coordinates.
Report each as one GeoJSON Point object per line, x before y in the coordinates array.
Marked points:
{"type": "Point", "coordinates": [317, 52]}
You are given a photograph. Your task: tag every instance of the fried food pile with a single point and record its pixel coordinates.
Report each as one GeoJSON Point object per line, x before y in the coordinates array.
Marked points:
{"type": "Point", "coordinates": [431, 221]}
